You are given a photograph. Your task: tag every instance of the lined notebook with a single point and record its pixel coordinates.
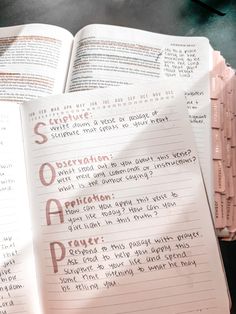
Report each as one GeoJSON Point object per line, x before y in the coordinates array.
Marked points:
{"type": "Point", "coordinates": [116, 205]}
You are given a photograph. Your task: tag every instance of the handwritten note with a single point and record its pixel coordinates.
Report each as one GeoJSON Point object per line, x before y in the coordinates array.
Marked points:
{"type": "Point", "coordinates": [120, 215]}
{"type": "Point", "coordinates": [18, 294]}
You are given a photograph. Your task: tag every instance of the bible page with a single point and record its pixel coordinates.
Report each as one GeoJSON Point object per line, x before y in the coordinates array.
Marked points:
{"type": "Point", "coordinates": [18, 289]}
{"type": "Point", "coordinates": [110, 55]}
{"type": "Point", "coordinates": [33, 61]}
{"type": "Point", "coordinates": [120, 215]}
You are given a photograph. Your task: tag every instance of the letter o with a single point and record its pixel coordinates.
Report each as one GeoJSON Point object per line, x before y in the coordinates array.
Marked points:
{"type": "Point", "coordinates": [41, 174]}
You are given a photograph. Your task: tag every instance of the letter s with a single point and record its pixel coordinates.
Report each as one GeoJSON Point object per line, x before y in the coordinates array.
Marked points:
{"type": "Point", "coordinates": [36, 131]}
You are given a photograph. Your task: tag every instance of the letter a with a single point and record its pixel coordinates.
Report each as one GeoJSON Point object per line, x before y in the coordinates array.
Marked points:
{"type": "Point", "coordinates": [57, 212]}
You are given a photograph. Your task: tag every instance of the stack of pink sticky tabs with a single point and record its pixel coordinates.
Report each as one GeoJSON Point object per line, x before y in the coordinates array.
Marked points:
{"type": "Point", "coordinates": [223, 102]}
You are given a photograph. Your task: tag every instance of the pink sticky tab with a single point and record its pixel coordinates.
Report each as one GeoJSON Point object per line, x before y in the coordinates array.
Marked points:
{"type": "Point", "coordinates": [228, 124]}
{"type": "Point", "coordinates": [218, 214]}
{"type": "Point", "coordinates": [233, 138]}
{"type": "Point", "coordinates": [223, 141]}
{"type": "Point", "coordinates": [225, 118]}
{"type": "Point", "coordinates": [233, 150]}
{"type": "Point", "coordinates": [221, 94]}
{"type": "Point", "coordinates": [231, 101]}
{"type": "Point", "coordinates": [234, 180]}
{"type": "Point", "coordinates": [232, 228]}
{"type": "Point", "coordinates": [222, 115]}
{"type": "Point", "coordinates": [230, 73]}
{"type": "Point", "coordinates": [216, 144]}
{"type": "Point", "coordinates": [227, 75]}
{"type": "Point", "coordinates": [219, 176]}
{"type": "Point", "coordinates": [229, 212]}
{"type": "Point", "coordinates": [227, 101]}
{"type": "Point", "coordinates": [221, 65]}
{"type": "Point", "coordinates": [223, 209]}
{"type": "Point", "coordinates": [215, 114]}
{"type": "Point", "coordinates": [214, 87]}
{"type": "Point", "coordinates": [216, 57]}
{"type": "Point", "coordinates": [228, 153]}
{"type": "Point", "coordinates": [230, 182]}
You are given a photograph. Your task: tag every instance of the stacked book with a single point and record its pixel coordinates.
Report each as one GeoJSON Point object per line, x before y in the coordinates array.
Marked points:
{"type": "Point", "coordinates": [117, 170]}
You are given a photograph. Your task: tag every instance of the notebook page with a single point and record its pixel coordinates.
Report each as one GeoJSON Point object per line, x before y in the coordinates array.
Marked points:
{"type": "Point", "coordinates": [120, 216]}
{"type": "Point", "coordinates": [106, 55]}
{"type": "Point", "coordinates": [18, 290]}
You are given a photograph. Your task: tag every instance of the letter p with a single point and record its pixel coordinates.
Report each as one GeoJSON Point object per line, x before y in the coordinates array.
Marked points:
{"type": "Point", "coordinates": [58, 253]}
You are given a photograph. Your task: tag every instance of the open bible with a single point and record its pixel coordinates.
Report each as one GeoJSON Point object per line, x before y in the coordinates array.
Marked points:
{"type": "Point", "coordinates": [112, 216]}
{"type": "Point", "coordinates": [37, 60]}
